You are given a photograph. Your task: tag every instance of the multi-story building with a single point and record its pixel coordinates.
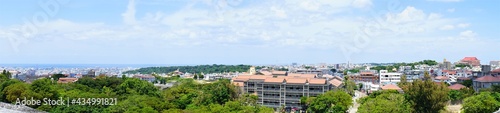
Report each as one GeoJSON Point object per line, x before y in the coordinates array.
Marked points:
{"type": "Point", "coordinates": [495, 72]}
{"type": "Point", "coordinates": [275, 91]}
{"type": "Point", "coordinates": [485, 82]}
{"type": "Point", "coordinates": [413, 75]}
{"type": "Point", "coordinates": [473, 61]}
{"type": "Point", "coordinates": [446, 65]}
{"type": "Point", "coordinates": [365, 76]}
{"type": "Point", "coordinates": [389, 78]}
{"type": "Point", "coordinates": [495, 63]}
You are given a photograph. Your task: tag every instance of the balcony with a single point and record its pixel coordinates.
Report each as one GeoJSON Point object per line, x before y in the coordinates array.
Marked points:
{"type": "Point", "coordinates": [294, 90]}
{"type": "Point", "coordinates": [271, 89]}
{"type": "Point", "coordinates": [293, 98]}
{"type": "Point", "coordinates": [271, 97]}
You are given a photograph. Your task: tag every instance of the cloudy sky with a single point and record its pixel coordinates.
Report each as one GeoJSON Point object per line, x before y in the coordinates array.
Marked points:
{"type": "Point", "coordinates": [246, 32]}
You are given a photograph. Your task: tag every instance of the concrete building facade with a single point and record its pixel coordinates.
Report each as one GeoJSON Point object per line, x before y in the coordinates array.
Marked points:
{"type": "Point", "coordinates": [275, 91]}
{"type": "Point", "coordinates": [389, 78]}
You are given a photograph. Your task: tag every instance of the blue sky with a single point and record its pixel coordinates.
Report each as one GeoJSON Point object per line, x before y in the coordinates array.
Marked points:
{"type": "Point", "coordinates": [246, 32]}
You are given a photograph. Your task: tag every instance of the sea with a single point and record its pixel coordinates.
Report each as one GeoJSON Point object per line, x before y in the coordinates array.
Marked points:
{"type": "Point", "coordinates": [85, 65]}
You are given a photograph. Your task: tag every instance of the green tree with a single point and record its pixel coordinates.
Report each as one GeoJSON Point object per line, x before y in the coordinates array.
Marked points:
{"type": "Point", "coordinates": [482, 103]}
{"type": "Point", "coordinates": [218, 92]}
{"type": "Point", "coordinates": [462, 65]}
{"type": "Point", "coordinates": [140, 103]}
{"type": "Point", "coordinates": [466, 92]}
{"type": "Point", "coordinates": [404, 82]}
{"type": "Point", "coordinates": [15, 91]}
{"type": "Point", "coordinates": [57, 76]}
{"type": "Point", "coordinates": [350, 86]}
{"type": "Point", "coordinates": [331, 101]}
{"type": "Point", "coordinates": [467, 83]}
{"type": "Point", "coordinates": [426, 96]}
{"type": "Point", "coordinates": [7, 74]}
{"type": "Point", "coordinates": [455, 96]}
{"type": "Point", "coordinates": [387, 102]}
{"type": "Point", "coordinates": [495, 88]}
{"type": "Point", "coordinates": [134, 86]}
{"type": "Point", "coordinates": [44, 87]}
{"type": "Point", "coordinates": [5, 84]}
{"type": "Point", "coordinates": [182, 94]}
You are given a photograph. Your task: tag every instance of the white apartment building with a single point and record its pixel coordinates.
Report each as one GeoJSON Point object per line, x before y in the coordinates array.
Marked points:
{"type": "Point", "coordinates": [389, 78]}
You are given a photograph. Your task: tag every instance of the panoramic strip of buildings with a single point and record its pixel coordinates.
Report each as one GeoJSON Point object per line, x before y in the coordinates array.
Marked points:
{"type": "Point", "coordinates": [285, 88]}
{"type": "Point", "coordinates": [288, 83]}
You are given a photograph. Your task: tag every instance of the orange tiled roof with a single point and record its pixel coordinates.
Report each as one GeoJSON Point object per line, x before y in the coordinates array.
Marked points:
{"type": "Point", "coordinates": [470, 59]}
{"type": "Point", "coordinates": [302, 75]}
{"type": "Point", "coordinates": [441, 78]}
{"type": "Point", "coordinates": [463, 78]}
{"type": "Point", "coordinates": [296, 80]}
{"type": "Point", "coordinates": [336, 82]}
{"type": "Point", "coordinates": [278, 72]}
{"type": "Point", "coordinates": [266, 73]}
{"type": "Point", "coordinates": [244, 76]}
{"type": "Point", "coordinates": [237, 79]}
{"type": "Point", "coordinates": [390, 87]}
{"type": "Point", "coordinates": [452, 72]}
{"type": "Point", "coordinates": [488, 78]}
{"type": "Point", "coordinates": [456, 86]}
{"type": "Point", "coordinates": [317, 81]}
{"type": "Point", "coordinates": [67, 80]}
{"type": "Point", "coordinates": [274, 80]}
{"type": "Point", "coordinates": [496, 71]}
{"type": "Point", "coordinates": [259, 77]}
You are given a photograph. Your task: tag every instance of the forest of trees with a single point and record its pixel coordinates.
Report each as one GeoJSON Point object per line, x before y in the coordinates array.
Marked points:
{"type": "Point", "coordinates": [133, 96]}
{"type": "Point", "coordinates": [194, 69]}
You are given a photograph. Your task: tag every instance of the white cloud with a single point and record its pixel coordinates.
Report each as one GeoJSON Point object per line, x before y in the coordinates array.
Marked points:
{"type": "Point", "coordinates": [467, 34]}
{"type": "Point", "coordinates": [463, 25]}
{"type": "Point", "coordinates": [129, 15]}
{"type": "Point", "coordinates": [410, 14]}
{"type": "Point", "coordinates": [269, 24]}
{"type": "Point", "coordinates": [362, 3]}
{"type": "Point", "coordinates": [445, 0]}
{"type": "Point", "coordinates": [451, 10]}
{"type": "Point", "coordinates": [447, 27]}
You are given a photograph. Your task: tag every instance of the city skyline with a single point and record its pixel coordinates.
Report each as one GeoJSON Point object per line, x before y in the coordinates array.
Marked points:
{"type": "Point", "coordinates": [247, 32]}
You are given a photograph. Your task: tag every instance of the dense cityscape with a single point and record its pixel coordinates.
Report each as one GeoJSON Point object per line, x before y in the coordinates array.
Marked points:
{"type": "Point", "coordinates": [249, 56]}
{"type": "Point", "coordinates": [287, 88]}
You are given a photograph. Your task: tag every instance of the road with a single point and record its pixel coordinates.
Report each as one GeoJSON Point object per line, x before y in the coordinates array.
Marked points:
{"type": "Point", "coordinates": [354, 107]}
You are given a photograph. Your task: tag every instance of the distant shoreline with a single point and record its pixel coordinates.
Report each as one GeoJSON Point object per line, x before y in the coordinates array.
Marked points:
{"type": "Point", "coordinates": [83, 65]}
{"type": "Point", "coordinates": [93, 65]}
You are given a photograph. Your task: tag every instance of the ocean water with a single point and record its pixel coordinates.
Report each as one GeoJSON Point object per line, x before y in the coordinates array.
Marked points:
{"type": "Point", "coordinates": [83, 65]}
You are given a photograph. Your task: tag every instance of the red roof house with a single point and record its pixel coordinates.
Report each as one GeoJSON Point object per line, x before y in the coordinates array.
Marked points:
{"type": "Point", "coordinates": [456, 87]}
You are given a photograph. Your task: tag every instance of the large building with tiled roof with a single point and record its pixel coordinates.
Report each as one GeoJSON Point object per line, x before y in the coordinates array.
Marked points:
{"type": "Point", "coordinates": [365, 76]}
{"type": "Point", "coordinates": [485, 82]}
{"type": "Point", "coordinates": [473, 61]}
{"type": "Point", "coordinates": [277, 90]}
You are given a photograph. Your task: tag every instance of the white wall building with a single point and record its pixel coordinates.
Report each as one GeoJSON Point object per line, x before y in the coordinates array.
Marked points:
{"type": "Point", "coordinates": [389, 78]}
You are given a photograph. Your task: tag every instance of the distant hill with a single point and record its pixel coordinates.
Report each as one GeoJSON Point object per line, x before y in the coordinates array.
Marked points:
{"type": "Point", "coordinates": [193, 69]}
